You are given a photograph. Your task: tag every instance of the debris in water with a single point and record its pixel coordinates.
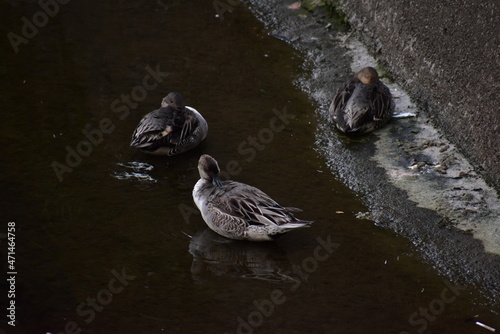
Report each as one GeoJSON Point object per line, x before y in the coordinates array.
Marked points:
{"type": "Point", "coordinates": [404, 115]}
{"type": "Point", "coordinates": [295, 5]}
{"type": "Point", "coordinates": [485, 326]}
{"type": "Point", "coordinates": [363, 215]}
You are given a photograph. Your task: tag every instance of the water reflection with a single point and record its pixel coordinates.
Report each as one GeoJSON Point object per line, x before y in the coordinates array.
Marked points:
{"type": "Point", "coordinates": [215, 256]}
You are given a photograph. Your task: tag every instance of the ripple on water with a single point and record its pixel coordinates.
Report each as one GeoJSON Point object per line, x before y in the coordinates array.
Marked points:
{"type": "Point", "coordinates": [134, 170]}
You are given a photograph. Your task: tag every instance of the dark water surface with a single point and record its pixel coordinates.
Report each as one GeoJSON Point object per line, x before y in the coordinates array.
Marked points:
{"type": "Point", "coordinates": [109, 240]}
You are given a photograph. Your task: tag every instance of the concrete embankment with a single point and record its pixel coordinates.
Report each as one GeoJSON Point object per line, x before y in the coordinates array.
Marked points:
{"type": "Point", "coordinates": [446, 55]}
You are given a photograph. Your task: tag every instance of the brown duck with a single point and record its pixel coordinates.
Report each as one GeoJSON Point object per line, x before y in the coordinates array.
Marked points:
{"type": "Point", "coordinates": [170, 130]}
{"type": "Point", "coordinates": [363, 104]}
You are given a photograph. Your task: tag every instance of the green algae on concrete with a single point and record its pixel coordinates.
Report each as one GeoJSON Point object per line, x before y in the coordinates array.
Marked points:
{"type": "Point", "coordinates": [311, 4]}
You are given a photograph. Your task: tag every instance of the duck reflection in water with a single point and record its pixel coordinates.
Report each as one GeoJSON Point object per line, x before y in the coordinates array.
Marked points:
{"type": "Point", "coordinates": [214, 256]}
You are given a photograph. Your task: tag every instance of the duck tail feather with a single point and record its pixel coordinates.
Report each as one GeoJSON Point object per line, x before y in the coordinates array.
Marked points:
{"type": "Point", "coordinates": [297, 224]}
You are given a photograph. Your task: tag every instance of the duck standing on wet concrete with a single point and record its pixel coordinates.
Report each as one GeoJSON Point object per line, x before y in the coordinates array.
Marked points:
{"type": "Point", "coordinates": [170, 130]}
{"type": "Point", "coordinates": [239, 211]}
{"type": "Point", "coordinates": [363, 104]}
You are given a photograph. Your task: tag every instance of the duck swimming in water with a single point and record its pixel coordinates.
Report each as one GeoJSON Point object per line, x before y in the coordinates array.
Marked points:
{"type": "Point", "coordinates": [239, 211]}
{"type": "Point", "coordinates": [170, 130]}
{"type": "Point", "coordinates": [363, 104]}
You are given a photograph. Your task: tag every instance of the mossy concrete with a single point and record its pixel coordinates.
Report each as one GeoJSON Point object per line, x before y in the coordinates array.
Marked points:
{"type": "Point", "coordinates": [446, 54]}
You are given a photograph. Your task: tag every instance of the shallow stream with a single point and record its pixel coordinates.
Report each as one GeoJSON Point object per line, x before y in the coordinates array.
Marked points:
{"type": "Point", "coordinates": [108, 238]}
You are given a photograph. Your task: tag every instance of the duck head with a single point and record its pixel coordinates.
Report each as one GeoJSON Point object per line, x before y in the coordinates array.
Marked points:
{"type": "Point", "coordinates": [209, 169]}
{"type": "Point", "coordinates": [173, 100]}
{"type": "Point", "coordinates": [367, 75]}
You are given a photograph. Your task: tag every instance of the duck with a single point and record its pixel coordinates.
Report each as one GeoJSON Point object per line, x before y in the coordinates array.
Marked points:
{"type": "Point", "coordinates": [239, 211]}
{"type": "Point", "coordinates": [173, 129]}
{"type": "Point", "coordinates": [363, 104]}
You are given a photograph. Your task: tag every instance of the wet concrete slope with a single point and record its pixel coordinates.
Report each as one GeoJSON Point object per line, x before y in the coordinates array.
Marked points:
{"type": "Point", "coordinates": [446, 55]}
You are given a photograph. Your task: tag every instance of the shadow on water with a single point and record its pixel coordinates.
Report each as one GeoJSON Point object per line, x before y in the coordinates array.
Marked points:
{"type": "Point", "coordinates": [217, 256]}
{"type": "Point", "coordinates": [114, 243]}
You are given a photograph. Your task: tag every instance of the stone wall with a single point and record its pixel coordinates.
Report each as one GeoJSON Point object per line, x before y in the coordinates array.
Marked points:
{"type": "Point", "coordinates": [446, 54]}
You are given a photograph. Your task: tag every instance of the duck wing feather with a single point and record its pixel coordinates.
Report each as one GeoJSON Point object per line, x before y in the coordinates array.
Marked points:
{"type": "Point", "coordinates": [340, 100]}
{"type": "Point", "coordinates": [383, 104]}
{"type": "Point", "coordinates": [252, 205]}
{"type": "Point", "coordinates": [152, 128]}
